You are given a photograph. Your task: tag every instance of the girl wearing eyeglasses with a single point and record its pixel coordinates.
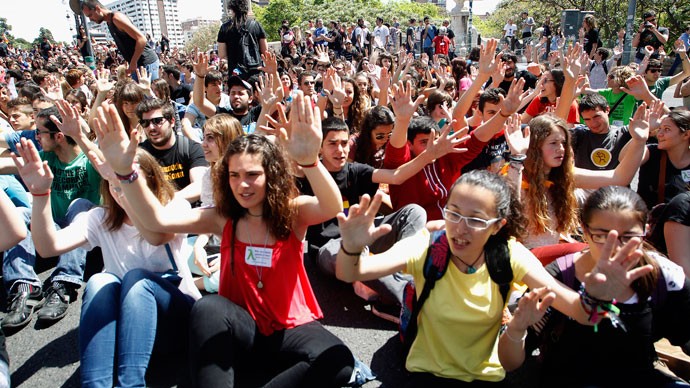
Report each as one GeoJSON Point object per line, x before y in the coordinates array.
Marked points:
{"type": "Point", "coordinates": [657, 305]}
{"type": "Point", "coordinates": [459, 323]}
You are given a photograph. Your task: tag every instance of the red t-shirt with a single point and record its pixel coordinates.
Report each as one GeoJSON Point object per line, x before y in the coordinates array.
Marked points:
{"type": "Point", "coordinates": [441, 44]}
{"type": "Point", "coordinates": [286, 299]}
{"type": "Point", "coordinates": [429, 187]}
{"type": "Point", "coordinates": [536, 107]}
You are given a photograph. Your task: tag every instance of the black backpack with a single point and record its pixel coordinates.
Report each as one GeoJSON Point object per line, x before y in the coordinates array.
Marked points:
{"type": "Point", "coordinates": [603, 64]}
{"type": "Point", "coordinates": [435, 266]}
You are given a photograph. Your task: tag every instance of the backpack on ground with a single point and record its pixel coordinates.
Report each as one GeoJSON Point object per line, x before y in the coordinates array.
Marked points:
{"type": "Point", "coordinates": [435, 266]}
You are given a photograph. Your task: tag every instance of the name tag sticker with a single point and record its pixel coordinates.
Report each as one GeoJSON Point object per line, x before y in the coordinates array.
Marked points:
{"type": "Point", "coordinates": [260, 257]}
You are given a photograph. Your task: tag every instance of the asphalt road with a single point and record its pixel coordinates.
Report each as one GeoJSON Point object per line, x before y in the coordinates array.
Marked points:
{"type": "Point", "coordinates": [48, 356]}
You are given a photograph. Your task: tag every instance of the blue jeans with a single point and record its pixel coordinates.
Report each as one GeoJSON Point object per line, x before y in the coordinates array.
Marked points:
{"type": "Point", "coordinates": [152, 69]}
{"type": "Point", "coordinates": [18, 261]}
{"type": "Point", "coordinates": [130, 319]}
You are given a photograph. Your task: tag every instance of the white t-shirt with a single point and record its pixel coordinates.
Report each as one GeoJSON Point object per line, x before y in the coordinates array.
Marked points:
{"type": "Point", "coordinates": [125, 249]}
{"type": "Point", "coordinates": [510, 29]}
{"type": "Point", "coordinates": [380, 34]}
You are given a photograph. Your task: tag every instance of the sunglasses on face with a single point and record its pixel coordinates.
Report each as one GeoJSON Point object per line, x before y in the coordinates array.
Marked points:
{"type": "Point", "coordinates": [654, 70]}
{"type": "Point", "coordinates": [309, 63]}
{"type": "Point", "coordinates": [308, 83]}
{"type": "Point", "coordinates": [145, 123]}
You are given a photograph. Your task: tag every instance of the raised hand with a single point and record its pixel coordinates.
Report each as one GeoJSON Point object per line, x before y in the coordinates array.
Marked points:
{"type": "Point", "coordinates": [402, 103]}
{"type": "Point", "coordinates": [357, 227]}
{"type": "Point", "coordinates": [657, 110]}
{"type": "Point", "coordinates": [614, 272]}
{"type": "Point", "coordinates": [516, 139]}
{"type": "Point", "coordinates": [384, 81]}
{"type": "Point", "coordinates": [117, 148]}
{"type": "Point", "coordinates": [105, 170]}
{"type": "Point", "coordinates": [103, 83]}
{"type": "Point", "coordinates": [200, 64]}
{"type": "Point", "coordinates": [70, 119]}
{"type": "Point", "coordinates": [447, 142]}
{"type": "Point", "coordinates": [511, 103]}
{"type": "Point", "coordinates": [144, 78]}
{"type": "Point", "coordinates": [679, 47]}
{"type": "Point", "coordinates": [270, 62]}
{"type": "Point", "coordinates": [572, 64]}
{"type": "Point", "coordinates": [531, 308]}
{"type": "Point", "coordinates": [337, 94]}
{"type": "Point", "coordinates": [639, 123]}
{"type": "Point", "coordinates": [487, 61]}
{"type": "Point", "coordinates": [35, 173]}
{"type": "Point", "coordinates": [637, 87]}
{"type": "Point", "coordinates": [303, 143]}
{"type": "Point", "coordinates": [277, 126]}
{"type": "Point", "coordinates": [266, 89]}
{"type": "Point", "coordinates": [322, 53]}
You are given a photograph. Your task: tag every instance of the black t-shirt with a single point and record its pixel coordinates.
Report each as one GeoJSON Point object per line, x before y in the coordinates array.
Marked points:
{"type": "Point", "coordinates": [353, 181]}
{"type": "Point", "coordinates": [647, 38]}
{"type": "Point", "coordinates": [530, 81]}
{"type": "Point", "coordinates": [247, 120]}
{"type": "Point", "coordinates": [598, 151]}
{"type": "Point", "coordinates": [678, 210]}
{"type": "Point", "coordinates": [337, 44]}
{"type": "Point", "coordinates": [177, 161]}
{"type": "Point", "coordinates": [181, 94]}
{"type": "Point", "coordinates": [4, 52]}
{"type": "Point", "coordinates": [677, 179]}
{"type": "Point", "coordinates": [409, 36]}
{"type": "Point", "coordinates": [245, 56]}
{"type": "Point", "coordinates": [591, 37]}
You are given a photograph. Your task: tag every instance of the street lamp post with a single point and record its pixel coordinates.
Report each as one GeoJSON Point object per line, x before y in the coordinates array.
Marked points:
{"type": "Point", "coordinates": [470, 44]}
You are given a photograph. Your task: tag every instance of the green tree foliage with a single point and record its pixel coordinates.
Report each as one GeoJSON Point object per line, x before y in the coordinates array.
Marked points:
{"type": "Point", "coordinates": [44, 32]}
{"type": "Point", "coordinates": [203, 38]}
{"type": "Point", "coordinates": [299, 12]}
{"type": "Point", "coordinates": [611, 15]}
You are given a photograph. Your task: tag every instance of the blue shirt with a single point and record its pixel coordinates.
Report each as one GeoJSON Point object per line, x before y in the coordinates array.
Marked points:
{"type": "Point", "coordinates": [12, 138]}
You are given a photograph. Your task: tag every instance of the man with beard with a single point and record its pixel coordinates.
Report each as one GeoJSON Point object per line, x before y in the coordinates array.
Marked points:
{"type": "Point", "coordinates": [510, 74]}
{"type": "Point", "coordinates": [240, 98]}
{"type": "Point", "coordinates": [182, 160]}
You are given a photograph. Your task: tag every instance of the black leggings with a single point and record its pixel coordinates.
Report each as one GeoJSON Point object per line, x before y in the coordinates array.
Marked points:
{"type": "Point", "coordinates": [426, 380]}
{"type": "Point", "coordinates": [226, 347]}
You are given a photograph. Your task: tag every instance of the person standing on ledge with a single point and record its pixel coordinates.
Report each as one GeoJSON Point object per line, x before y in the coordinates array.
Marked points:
{"type": "Point", "coordinates": [129, 40]}
{"type": "Point", "coordinates": [242, 41]}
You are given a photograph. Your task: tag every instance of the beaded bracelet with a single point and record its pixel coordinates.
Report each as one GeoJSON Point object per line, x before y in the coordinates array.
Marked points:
{"type": "Point", "coordinates": [599, 309]}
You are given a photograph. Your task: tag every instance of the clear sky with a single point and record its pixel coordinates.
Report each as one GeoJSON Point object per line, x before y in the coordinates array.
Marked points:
{"type": "Point", "coordinates": [27, 16]}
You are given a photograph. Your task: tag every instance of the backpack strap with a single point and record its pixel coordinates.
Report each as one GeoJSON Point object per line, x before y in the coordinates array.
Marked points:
{"type": "Point", "coordinates": [435, 266]}
{"type": "Point", "coordinates": [498, 264]}
{"type": "Point", "coordinates": [567, 268]}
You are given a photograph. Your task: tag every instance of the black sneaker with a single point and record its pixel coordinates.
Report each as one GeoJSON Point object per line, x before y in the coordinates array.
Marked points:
{"type": "Point", "coordinates": [22, 306]}
{"type": "Point", "coordinates": [57, 301]}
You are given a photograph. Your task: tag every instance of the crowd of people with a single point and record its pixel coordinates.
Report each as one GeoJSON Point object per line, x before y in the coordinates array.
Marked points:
{"type": "Point", "coordinates": [552, 202]}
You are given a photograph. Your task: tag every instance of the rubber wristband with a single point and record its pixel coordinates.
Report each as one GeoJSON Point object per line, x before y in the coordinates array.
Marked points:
{"type": "Point", "coordinates": [47, 193]}
{"type": "Point", "coordinates": [312, 165]}
{"type": "Point", "coordinates": [129, 178]}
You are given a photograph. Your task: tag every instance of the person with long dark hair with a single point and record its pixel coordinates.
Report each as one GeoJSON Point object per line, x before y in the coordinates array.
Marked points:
{"type": "Point", "coordinates": [242, 41]}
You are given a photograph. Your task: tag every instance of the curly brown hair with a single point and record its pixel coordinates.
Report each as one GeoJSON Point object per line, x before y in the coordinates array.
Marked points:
{"type": "Point", "coordinates": [155, 180]}
{"type": "Point", "coordinates": [278, 212]}
{"type": "Point", "coordinates": [561, 192]}
{"type": "Point", "coordinates": [358, 108]}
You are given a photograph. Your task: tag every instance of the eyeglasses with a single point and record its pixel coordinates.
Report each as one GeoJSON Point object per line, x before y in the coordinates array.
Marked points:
{"type": "Point", "coordinates": [600, 238]}
{"type": "Point", "coordinates": [657, 70]}
{"type": "Point", "coordinates": [471, 222]}
{"type": "Point", "coordinates": [155, 120]}
{"type": "Point", "coordinates": [381, 136]}
{"type": "Point", "coordinates": [309, 63]}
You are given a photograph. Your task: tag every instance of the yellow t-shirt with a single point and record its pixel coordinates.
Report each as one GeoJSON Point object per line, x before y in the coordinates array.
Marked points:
{"type": "Point", "coordinates": [459, 323]}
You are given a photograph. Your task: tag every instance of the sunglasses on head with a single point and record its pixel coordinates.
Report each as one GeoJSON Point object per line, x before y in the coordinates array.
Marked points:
{"type": "Point", "coordinates": [155, 120]}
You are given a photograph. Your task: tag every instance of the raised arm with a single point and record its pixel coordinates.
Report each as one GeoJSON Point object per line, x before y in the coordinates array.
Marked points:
{"type": "Point", "coordinates": [572, 66]}
{"type": "Point", "coordinates": [624, 173]}
{"type": "Point", "coordinates": [119, 151]}
{"type": "Point", "coordinates": [444, 144]}
{"type": "Point", "coordinates": [38, 178]}
{"type": "Point", "coordinates": [487, 65]}
{"type": "Point", "coordinates": [303, 144]}
{"type": "Point", "coordinates": [357, 231]}
{"type": "Point", "coordinates": [199, 96]}
{"type": "Point", "coordinates": [404, 108]}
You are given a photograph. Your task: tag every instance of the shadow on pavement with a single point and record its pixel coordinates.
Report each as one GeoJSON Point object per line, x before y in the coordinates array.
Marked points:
{"type": "Point", "coordinates": [388, 365]}
{"type": "Point", "coordinates": [58, 353]}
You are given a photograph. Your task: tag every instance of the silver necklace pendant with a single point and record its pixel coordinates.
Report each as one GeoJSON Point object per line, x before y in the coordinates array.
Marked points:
{"type": "Point", "coordinates": [260, 285]}
{"type": "Point", "coordinates": [471, 270]}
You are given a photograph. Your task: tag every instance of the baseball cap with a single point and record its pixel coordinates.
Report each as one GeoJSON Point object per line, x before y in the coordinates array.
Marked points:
{"type": "Point", "coordinates": [237, 81]}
